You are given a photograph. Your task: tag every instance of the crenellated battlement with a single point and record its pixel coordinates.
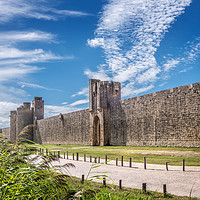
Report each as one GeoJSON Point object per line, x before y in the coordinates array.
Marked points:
{"type": "Point", "coordinates": [186, 89]}
{"type": "Point", "coordinates": [102, 93]}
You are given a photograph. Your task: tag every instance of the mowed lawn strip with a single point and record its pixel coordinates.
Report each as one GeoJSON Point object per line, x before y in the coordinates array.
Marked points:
{"type": "Point", "coordinates": [154, 155]}
{"type": "Point", "coordinates": [113, 192]}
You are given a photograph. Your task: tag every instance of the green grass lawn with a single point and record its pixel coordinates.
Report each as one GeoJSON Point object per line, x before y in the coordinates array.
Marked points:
{"type": "Point", "coordinates": [154, 155]}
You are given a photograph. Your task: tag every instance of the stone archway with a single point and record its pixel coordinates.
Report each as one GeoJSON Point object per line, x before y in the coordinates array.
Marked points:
{"type": "Point", "coordinates": [96, 131]}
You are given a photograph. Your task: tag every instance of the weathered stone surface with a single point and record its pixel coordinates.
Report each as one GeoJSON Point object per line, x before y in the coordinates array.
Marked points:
{"type": "Point", "coordinates": [26, 134]}
{"type": "Point", "coordinates": [166, 118]}
{"type": "Point", "coordinates": [71, 128]}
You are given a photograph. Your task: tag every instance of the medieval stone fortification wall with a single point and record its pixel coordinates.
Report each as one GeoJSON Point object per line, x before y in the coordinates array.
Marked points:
{"type": "Point", "coordinates": [71, 128]}
{"type": "Point", "coordinates": [166, 118]}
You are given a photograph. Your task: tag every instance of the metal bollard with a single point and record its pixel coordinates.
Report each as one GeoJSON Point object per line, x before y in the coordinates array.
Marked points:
{"type": "Point", "coordinates": [130, 162]}
{"type": "Point", "coordinates": [145, 164]}
{"type": "Point", "coordinates": [84, 158]}
{"type": "Point", "coordinates": [120, 184]}
{"type": "Point", "coordinates": [144, 187]}
{"type": "Point", "coordinates": [164, 190]}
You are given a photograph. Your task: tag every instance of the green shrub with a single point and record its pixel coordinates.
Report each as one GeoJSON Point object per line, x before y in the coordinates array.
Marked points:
{"type": "Point", "coordinates": [19, 179]}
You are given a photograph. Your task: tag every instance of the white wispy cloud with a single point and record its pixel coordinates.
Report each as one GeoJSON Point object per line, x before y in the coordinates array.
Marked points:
{"type": "Point", "coordinates": [5, 108]}
{"type": "Point", "coordinates": [51, 110]}
{"type": "Point", "coordinates": [33, 85]}
{"type": "Point", "coordinates": [189, 55]}
{"type": "Point", "coordinates": [130, 31]}
{"type": "Point", "coordinates": [131, 90]}
{"type": "Point", "coordinates": [149, 75]}
{"type": "Point", "coordinates": [192, 51]}
{"type": "Point", "coordinates": [79, 102]}
{"type": "Point", "coordinates": [71, 13]}
{"type": "Point", "coordinates": [101, 74]}
{"type": "Point", "coordinates": [40, 9]}
{"type": "Point", "coordinates": [12, 93]}
{"type": "Point", "coordinates": [11, 52]}
{"type": "Point", "coordinates": [10, 37]}
{"type": "Point", "coordinates": [172, 63]}
{"type": "Point", "coordinates": [8, 74]}
{"type": "Point", "coordinates": [84, 92]}
{"type": "Point", "coordinates": [12, 55]}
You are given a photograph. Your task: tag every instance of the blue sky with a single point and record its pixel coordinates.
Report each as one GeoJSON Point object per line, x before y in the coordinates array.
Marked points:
{"type": "Point", "coordinates": [52, 48]}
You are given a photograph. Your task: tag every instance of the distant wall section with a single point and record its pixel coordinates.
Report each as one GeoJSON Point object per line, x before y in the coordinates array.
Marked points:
{"type": "Point", "coordinates": [70, 128]}
{"type": "Point", "coordinates": [166, 118]}
{"type": "Point", "coordinates": [6, 133]}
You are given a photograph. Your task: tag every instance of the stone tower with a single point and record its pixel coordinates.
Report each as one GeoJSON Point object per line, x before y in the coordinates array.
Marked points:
{"type": "Point", "coordinates": [101, 95]}
{"type": "Point", "coordinates": [38, 108]}
{"type": "Point", "coordinates": [25, 115]}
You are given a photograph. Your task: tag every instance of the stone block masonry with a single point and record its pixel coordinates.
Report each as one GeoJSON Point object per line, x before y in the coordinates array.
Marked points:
{"type": "Point", "coordinates": [71, 128]}
{"type": "Point", "coordinates": [166, 118]}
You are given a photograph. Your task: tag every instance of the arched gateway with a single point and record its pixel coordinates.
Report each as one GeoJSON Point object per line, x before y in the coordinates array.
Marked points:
{"type": "Point", "coordinates": [96, 132]}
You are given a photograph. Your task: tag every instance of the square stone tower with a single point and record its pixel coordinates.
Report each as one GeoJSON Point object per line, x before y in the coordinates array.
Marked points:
{"type": "Point", "coordinates": [25, 115]}
{"type": "Point", "coordinates": [38, 108]}
{"type": "Point", "coordinates": [20, 118]}
{"type": "Point", "coordinates": [101, 95]}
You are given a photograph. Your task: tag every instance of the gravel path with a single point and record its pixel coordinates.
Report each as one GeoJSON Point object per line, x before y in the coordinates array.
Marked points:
{"type": "Point", "coordinates": [178, 182]}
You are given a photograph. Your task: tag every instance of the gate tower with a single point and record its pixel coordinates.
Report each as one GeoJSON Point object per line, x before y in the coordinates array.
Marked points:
{"type": "Point", "coordinates": [101, 95]}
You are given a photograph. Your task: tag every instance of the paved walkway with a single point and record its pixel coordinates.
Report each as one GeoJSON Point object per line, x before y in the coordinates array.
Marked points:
{"type": "Point", "coordinates": [178, 182]}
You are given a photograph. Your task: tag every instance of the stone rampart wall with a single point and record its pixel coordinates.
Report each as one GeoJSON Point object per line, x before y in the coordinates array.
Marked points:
{"type": "Point", "coordinates": [166, 118]}
{"type": "Point", "coordinates": [70, 128]}
{"type": "Point", "coordinates": [6, 133]}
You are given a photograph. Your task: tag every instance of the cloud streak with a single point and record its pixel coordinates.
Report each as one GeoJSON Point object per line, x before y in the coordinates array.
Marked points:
{"type": "Point", "coordinates": [84, 92]}
{"type": "Point", "coordinates": [51, 110]}
{"type": "Point", "coordinates": [130, 31]}
{"type": "Point", "coordinates": [10, 37]}
{"type": "Point", "coordinates": [79, 102]}
{"type": "Point", "coordinates": [188, 56]}
{"type": "Point", "coordinates": [12, 73]}
{"type": "Point", "coordinates": [32, 85]}
{"type": "Point", "coordinates": [40, 9]}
